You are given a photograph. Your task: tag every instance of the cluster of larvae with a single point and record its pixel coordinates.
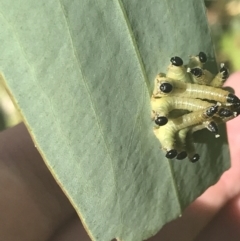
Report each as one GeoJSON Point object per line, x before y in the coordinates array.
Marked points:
{"type": "Point", "coordinates": [198, 98]}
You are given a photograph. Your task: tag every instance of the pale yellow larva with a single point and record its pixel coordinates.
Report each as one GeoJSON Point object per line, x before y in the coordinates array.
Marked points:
{"type": "Point", "coordinates": [181, 143]}
{"type": "Point", "coordinates": [197, 60]}
{"type": "Point", "coordinates": [175, 91]}
{"type": "Point", "coordinates": [169, 87]}
{"type": "Point", "coordinates": [167, 134]}
{"type": "Point", "coordinates": [221, 77]}
{"type": "Point", "coordinates": [167, 138]}
{"type": "Point", "coordinates": [201, 76]}
{"type": "Point", "coordinates": [162, 106]}
{"type": "Point", "coordinates": [177, 71]}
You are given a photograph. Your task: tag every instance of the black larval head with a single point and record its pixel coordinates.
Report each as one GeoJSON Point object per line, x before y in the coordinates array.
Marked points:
{"type": "Point", "coordinates": [182, 155]}
{"type": "Point", "coordinates": [223, 112]}
{"type": "Point", "coordinates": [202, 57]}
{"type": "Point", "coordinates": [161, 120]}
{"type": "Point", "coordinates": [176, 61]}
{"type": "Point", "coordinates": [212, 126]}
{"type": "Point", "coordinates": [166, 87]}
{"type": "Point", "coordinates": [196, 72]}
{"type": "Point", "coordinates": [212, 110]}
{"type": "Point", "coordinates": [171, 154]}
{"type": "Point", "coordinates": [195, 158]}
{"type": "Point", "coordinates": [224, 72]}
{"type": "Point", "coordinates": [231, 98]}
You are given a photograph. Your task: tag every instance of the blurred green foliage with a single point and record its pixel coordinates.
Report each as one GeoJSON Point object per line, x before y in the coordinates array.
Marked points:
{"type": "Point", "coordinates": [224, 21]}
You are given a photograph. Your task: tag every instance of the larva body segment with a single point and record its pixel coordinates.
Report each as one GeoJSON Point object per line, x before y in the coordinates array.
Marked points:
{"type": "Point", "coordinates": [178, 73]}
{"type": "Point", "coordinates": [206, 92]}
{"type": "Point", "coordinates": [188, 120]}
{"type": "Point", "coordinates": [186, 138]}
{"type": "Point", "coordinates": [189, 143]}
{"type": "Point", "coordinates": [201, 76]}
{"type": "Point", "coordinates": [162, 106]}
{"type": "Point", "coordinates": [198, 128]}
{"type": "Point", "coordinates": [181, 144]}
{"type": "Point", "coordinates": [166, 136]}
{"type": "Point", "coordinates": [194, 91]}
{"type": "Point", "coordinates": [218, 81]}
{"type": "Point", "coordinates": [181, 139]}
{"type": "Point", "coordinates": [185, 144]}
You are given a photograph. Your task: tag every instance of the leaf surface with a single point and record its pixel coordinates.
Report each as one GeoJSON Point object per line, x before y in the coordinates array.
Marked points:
{"type": "Point", "coordinates": [81, 73]}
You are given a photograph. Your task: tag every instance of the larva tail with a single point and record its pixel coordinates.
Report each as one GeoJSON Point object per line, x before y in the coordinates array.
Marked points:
{"type": "Point", "coordinates": [221, 77]}
{"type": "Point", "coordinates": [168, 87]}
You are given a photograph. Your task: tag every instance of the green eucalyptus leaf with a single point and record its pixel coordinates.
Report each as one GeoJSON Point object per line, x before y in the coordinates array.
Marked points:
{"type": "Point", "coordinates": [81, 73]}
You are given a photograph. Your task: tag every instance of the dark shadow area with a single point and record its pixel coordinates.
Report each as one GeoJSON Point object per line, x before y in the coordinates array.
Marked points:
{"type": "Point", "coordinates": [2, 121]}
{"type": "Point", "coordinates": [203, 135]}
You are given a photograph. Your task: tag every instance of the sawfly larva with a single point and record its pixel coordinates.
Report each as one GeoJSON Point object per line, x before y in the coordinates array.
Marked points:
{"type": "Point", "coordinates": [187, 138]}
{"type": "Point", "coordinates": [200, 76]}
{"type": "Point", "coordinates": [224, 115]}
{"type": "Point", "coordinates": [167, 134]}
{"type": "Point", "coordinates": [177, 71]}
{"type": "Point", "coordinates": [197, 60]}
{"type": "Point", "coordinates": [162, 106]}
{"type": "Point", "coordinates": [169, 87]}
{"type": "Point", "coordinates": [195, 90]}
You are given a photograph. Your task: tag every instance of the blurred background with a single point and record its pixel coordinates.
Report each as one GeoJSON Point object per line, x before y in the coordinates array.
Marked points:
{"type": "Point", "coordinates": [224, 21]}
